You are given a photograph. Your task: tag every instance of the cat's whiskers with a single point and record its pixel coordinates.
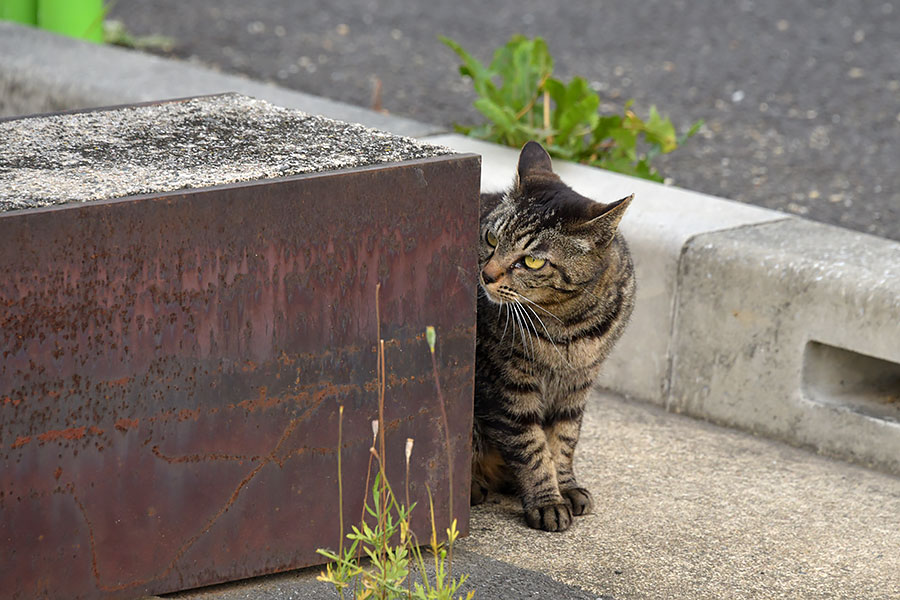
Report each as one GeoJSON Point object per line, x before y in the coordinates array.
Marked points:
{"type": "Point", "coordinates": [506, 324]}
{"type": "Point", "coordinates": [526, 335]}
{"type": "Point", "coordinates": [536, 316]}
{"type": "Point", "coordinates": [517, 323]}
{"type": "Point", "coordinates": [527, 316]}
{"type": "Point", "coordinates": [529, 326]}
{"type": "Point", "coordinates": [549, 337]}
{"type": "Point", "coordinates": [536, 305]}
{"type": "Point", "coordinates": [533, 327]}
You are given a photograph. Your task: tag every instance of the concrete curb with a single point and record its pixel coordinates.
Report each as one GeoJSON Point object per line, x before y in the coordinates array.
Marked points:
{"type": "Point", "coordinates": [790, 329]}
{"type": "Point", "coordinates": [43, 72]}
{"type": "Point", "coordinates": [745, 316]}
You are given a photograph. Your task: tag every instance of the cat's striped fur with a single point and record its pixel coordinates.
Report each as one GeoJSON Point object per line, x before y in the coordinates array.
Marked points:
{"type": "Point", "coordinates": [557, 289]}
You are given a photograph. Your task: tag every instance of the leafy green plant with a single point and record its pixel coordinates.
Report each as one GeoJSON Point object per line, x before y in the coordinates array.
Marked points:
{"type": "Point", "coordinates": [392, 552]}
{"type": "Point", "coordinates": [522, 101]}
{"type": "Point", "coordinates": [390, 547]}
{"type": "Point", "coordinates": [388, 565]}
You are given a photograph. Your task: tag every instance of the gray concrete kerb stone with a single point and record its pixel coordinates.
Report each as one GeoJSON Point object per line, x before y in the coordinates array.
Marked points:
{"type": "Point", "coordinates": [792, 329]}
{"type": "Point", "coordinates": [43, 72]}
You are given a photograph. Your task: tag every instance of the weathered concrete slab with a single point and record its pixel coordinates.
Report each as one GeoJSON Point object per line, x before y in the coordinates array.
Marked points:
{"type": "Point", "coordinates": [792, 329]}
{"type": "Point", "coordinates": [166, 146]}
{"type": "Point", "coordinates": [172, 363]}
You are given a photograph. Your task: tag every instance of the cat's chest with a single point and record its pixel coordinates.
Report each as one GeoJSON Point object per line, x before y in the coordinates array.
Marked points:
{"type": "Point", "coordinates": [569, 367]}
{"type": "Point", "coordinates": [577, 358]}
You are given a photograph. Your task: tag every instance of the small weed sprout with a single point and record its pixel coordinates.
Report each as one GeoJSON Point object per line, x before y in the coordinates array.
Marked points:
{"type": "Point", "coordinates": [391, 548]}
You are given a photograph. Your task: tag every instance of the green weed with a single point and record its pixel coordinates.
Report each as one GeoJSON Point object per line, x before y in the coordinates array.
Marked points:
{"type": "Point", "coordinates": [383, 552]}
{"type": "Point", "coordinates": [529, 104]}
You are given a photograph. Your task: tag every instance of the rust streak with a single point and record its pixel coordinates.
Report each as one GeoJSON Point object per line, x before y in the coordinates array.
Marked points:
{"type": "Point", "coordinates": [95, 568]}
{"type": "Point", "coordinates": [126, 424]}
{"type": "Point", "coordinates": [263, 401]}
{"type": "Point", "coordinates": [271, 457]}
{"type": "Point", "coordinates": [209, 524]}
{"type": "Point", "coordinates": [213, 456]}
{"type": "Point", "coordinates": [74, 433]}
{"type": "Point", "coordinates": [308, 449]}
{"type": "Point", "coordinates": [21, 441]}
{"type": "Point", "coordinates": [181, 551]}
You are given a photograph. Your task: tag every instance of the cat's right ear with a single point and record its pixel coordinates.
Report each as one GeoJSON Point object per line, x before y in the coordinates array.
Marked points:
{"type": "Point", "coordinates": [534, 160]}
{"type": "Point", "coordinates": [604, 221]}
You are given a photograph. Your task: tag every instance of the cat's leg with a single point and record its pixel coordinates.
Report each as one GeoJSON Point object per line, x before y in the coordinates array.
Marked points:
{"type": "Point", "coordinates": [488, 469]}
{"type": "Point", "coordinates": [526, 454]}
{"type": "Point", "coordinates": [479, 490]}
{"type": "Point", "coordinates": [563, 431]}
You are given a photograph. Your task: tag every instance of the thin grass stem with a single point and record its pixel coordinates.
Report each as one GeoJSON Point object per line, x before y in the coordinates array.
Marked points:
{"type": "Point", "coordinates": [437, 385]}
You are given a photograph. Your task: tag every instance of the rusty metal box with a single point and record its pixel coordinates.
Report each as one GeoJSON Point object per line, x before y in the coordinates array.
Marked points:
{"type": "Point", "coordinates": [172, 364]}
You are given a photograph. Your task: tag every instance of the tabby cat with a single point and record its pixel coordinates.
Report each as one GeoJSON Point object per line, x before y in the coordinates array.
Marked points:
{"type": "Point", "coordinates": [557, 289]}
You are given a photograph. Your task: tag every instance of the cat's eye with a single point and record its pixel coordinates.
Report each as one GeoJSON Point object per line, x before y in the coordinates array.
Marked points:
{"type": "Point", "coordinates": [534, 263]}
{"type": "Point", "coordinates": [491, 239]}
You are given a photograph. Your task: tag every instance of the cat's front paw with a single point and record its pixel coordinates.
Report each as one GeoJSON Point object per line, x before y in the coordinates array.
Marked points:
{"type": "Point", "coordinates": [579, 500]}
{"type": "Point", "coordinates": [549, 517]}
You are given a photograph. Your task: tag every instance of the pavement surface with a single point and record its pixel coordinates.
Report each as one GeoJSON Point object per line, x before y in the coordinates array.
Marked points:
{"type": "Point", "coordinates": [684, 509]}
{"type": "Point", "coordinates": [801, 100]}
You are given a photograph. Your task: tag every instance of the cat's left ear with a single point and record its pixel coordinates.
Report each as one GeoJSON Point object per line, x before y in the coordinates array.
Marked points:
{"type": "Point", "coordinates": [604, 221]}
{"type": "Point", "coordinates": [533, 160]}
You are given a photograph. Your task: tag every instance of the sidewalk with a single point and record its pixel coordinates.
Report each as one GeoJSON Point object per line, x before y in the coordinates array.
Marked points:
{"type": "Point", "coordinates": [684, 509]}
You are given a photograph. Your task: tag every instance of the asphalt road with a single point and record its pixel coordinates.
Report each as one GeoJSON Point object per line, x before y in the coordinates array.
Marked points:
{"type": "Point", "coordinates": [801, 101]}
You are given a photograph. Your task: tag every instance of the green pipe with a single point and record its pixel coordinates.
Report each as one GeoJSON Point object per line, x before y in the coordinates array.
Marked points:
{"type": "Point", "coordinates": [76, 18]}
{"type": "Point", "coordinates": [20, 11]}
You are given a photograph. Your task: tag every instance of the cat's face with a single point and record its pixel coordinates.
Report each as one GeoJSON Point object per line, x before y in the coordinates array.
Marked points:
{"type": "Point", "coordinates": [543, 241]}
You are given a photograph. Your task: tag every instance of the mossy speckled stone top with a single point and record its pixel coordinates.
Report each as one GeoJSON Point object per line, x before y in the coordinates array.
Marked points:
{"type": "Point", "coordinates": [200, 142]}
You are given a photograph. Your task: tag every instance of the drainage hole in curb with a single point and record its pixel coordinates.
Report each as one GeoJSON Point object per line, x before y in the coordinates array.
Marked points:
{"type": "Point", "coordinates": [842, 378]}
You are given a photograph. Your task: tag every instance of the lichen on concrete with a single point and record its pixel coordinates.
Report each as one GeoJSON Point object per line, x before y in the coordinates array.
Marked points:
{"type": "Point", "coordinates": [170, 146]}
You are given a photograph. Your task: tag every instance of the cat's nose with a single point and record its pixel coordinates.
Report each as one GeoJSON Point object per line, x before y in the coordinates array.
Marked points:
{"type": "Point", "coordinates": [491, 272]}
